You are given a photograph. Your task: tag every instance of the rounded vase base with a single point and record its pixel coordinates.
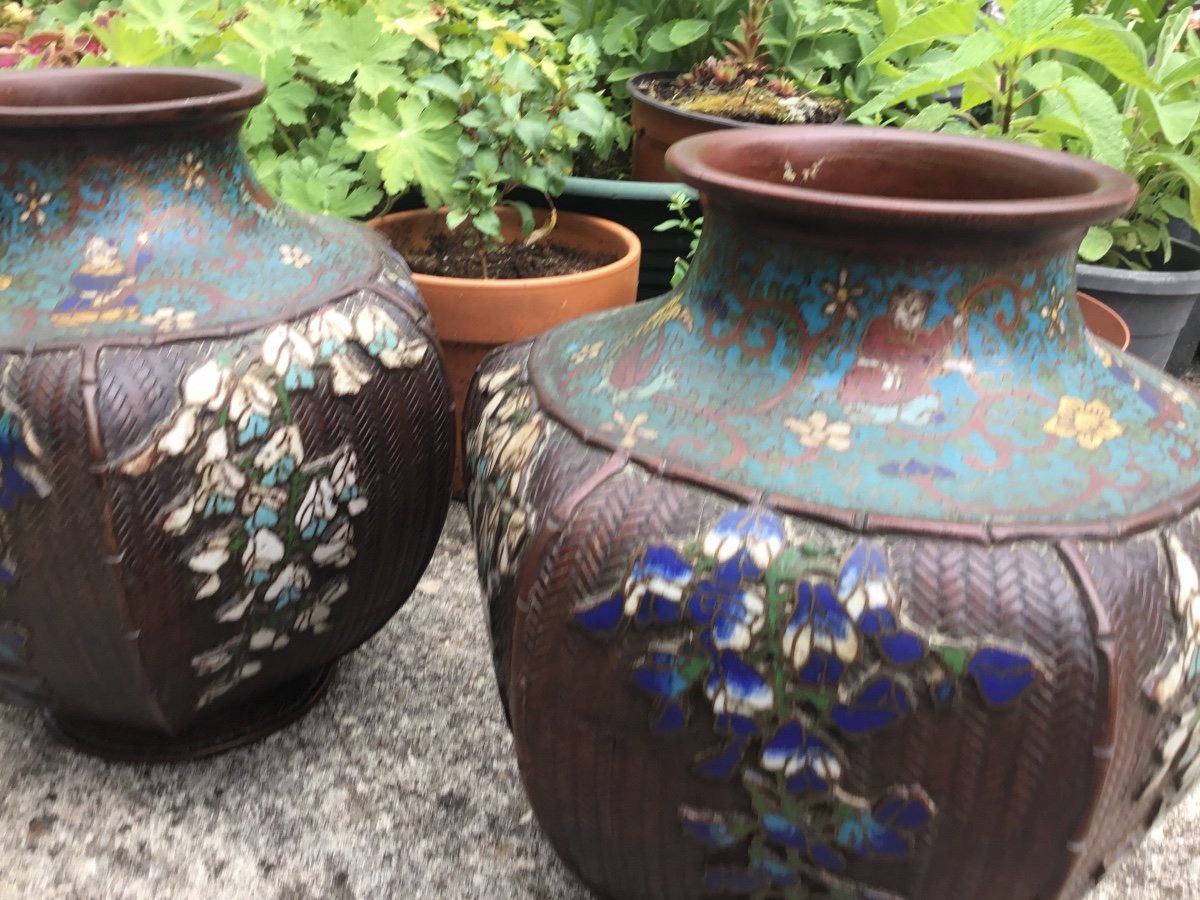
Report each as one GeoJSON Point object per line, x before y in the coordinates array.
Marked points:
{"type": "Point", "coordinates": [232, 728]}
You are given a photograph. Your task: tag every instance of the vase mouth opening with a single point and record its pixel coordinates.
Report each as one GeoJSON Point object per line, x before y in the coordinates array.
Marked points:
{"type": "Point", "coordinates": [116, 97]}
{"type": "Point", "coordinates": [887, 176]}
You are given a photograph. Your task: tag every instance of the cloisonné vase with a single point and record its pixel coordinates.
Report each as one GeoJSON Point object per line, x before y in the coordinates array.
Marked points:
{"type": "Point", "coordinates": [225, 431]}
{"type": "Point", "coordinates": [854, 567]}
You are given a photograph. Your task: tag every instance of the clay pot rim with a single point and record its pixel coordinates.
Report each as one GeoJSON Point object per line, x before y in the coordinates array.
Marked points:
{"type": "Point", "coordinates": [710, 162]}
{"type": "Point", "coordinates": [627, 237]}
{"type": "Point", "coordinates": [65, 98]}
{"type": "Point", "coordinates": [636, 88]}
{"type": "Point", "coordinates": [1086, 300]}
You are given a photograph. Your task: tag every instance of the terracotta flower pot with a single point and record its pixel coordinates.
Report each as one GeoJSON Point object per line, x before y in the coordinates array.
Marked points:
{"type": "Point", "coordinates": [211, 409]}
{"type": "Point", "coordinates": [1102, 320]}
{"type": "Point", "coordinates": [473, 316]}
{"type": "Point", "coordinates": [658, 125]}
{"type": "Point", "coordinates": [855, 567]}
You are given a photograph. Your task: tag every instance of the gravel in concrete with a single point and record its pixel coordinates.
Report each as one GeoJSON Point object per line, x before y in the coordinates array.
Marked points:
{"type": "Point", "coordinates": [402, 783]}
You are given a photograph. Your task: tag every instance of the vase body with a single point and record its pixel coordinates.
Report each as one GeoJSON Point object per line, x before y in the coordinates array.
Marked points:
{"type": "Point", "coordinates": [227, 432]}
{"type": "Point", "coordinates": [855, 567]}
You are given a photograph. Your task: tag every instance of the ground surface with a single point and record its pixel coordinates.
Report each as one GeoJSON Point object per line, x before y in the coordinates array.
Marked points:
{"type": "Point", "coordinates": [400, 784]}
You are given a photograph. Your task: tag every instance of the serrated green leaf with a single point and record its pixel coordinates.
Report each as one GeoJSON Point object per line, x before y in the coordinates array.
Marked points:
{"type": "Point", "coordinates": [1028, 18]}
{"type": "Point", "coordinates": [1176, 120]}
{"type": "Point", "coordinates": [416, 145]}
{"type": "Point", "coordinates": [1188, 168]}
{"type": "Point", "coordinates": [1096, 243]}
{"type": "Point", "coordinates": [440, 83]}
{"type": "Point", "coordinates": [182, 23]}
{"type": "Point", "coordinates": [1099, 119]}
{"type": "Point", "coordinates": [128, 45]}
{"type": "Point", "coordinates": [943, 21]}
{"type": "Point", "coordinates": [620, 34]}
{"type": "Point", "coordinates": [1100, 44]}
{"type": "Point", "coordinates": [931, 118]}
{"type": "Point", "coordinates": [344, 47]}
{"type": "Point", "coordinates": [976, 51]}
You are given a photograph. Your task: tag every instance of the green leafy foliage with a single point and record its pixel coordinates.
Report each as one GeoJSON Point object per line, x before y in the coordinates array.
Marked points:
{"type": "Point", "coordinates": [370, 99]}
{"type": "Point", "coordinates": [1118, 84]}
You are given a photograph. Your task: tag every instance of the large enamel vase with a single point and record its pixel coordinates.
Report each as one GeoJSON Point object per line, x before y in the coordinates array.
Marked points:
{"type": "Point", "coordinates": [854, 567]}
{"type": "Point", "coordinates": [225, 431]}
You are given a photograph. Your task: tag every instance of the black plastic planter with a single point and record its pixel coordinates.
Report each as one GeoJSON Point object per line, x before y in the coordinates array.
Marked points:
{"type": "Point", "coordinates": [639, 206]}
{"type": "Point", "coordinates": [1156, 305]}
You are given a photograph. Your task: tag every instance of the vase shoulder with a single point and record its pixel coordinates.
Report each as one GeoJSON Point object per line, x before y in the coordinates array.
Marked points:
{"type": "Point", "coordinates": [157, 239]}
{"type": "Point", "coordinates": [816, 393]}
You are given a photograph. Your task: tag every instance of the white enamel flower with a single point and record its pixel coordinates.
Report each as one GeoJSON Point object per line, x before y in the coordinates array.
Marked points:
{"type": "Point", "coordinates": [815, 430]}
{"type": "Point", "coordinates": [329, 330]}
{"type": "Point", "coordinates": [1181, 667]}
{"type": "Point", "coordinates": [285, 347]}
{"type": "Point", "coordinates": [250, 408]}
{"type": "Point", "coordinates": [344, 479]}
{"type": "Point", "coordinates": [167, 318]}
{"type": "Point", "coordinates": [180, 436]}
{"type": "Point", "coordinates": [316, 617]}
{"type": "Point", "coordinates": [338, 550]}
{"type": "Point", "coordinates": [349, 374]}
{"type": "Point", "coordinates": [288, 585]}
{"type": "Point", "coordinates": [379, 336]}
{"type": "Point", "coordinates": [192, 171]}
{"type": "Point", "coordinates": [631, 430]}
{"type": "Point", "coordinates": [206, 386]}
{"type": "Point", "coordinates": [33, 203]}
{"type": "Point", "coordinates": [291, 255]}
{"type": "Point", "coordinates": [262, 551]}
{"type": "Point", "coordinates": [317, 509]}
{"type": "Point", "coordinates": [284, 445]}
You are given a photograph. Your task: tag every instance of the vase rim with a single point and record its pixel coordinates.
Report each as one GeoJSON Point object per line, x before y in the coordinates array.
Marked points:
{"type": "Point", "coordinates": [976, 185]}
{"type": "Point", "coordinates": [121, 97]}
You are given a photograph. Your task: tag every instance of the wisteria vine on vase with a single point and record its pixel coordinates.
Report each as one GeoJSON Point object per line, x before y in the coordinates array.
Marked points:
{"type": "Point", "coordinates": [794, 647]}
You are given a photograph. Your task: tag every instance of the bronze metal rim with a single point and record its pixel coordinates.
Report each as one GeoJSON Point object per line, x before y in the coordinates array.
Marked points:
{"type": "Point", "coordinates": [120, 97]}
{"type": "Point", "coordinates": [886, 177]}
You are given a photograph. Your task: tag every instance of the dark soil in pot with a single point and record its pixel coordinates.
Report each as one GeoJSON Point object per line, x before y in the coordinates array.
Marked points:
{"type": "Point", "coordinates": [743, 94]}
{"type": "Point", "coordinates": [447, 256]}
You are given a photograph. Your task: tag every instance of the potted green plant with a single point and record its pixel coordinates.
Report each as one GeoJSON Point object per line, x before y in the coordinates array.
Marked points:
{"type": "Point", "coordinates": [739, 89]}
{"type": "Point", "coordinates": [1118, 87]}
{"type": "Point", "coordinates": [518, 102]}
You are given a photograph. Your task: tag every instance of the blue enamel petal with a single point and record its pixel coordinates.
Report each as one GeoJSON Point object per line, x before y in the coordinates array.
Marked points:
{"type": "Point", "coordinates": [864, 836]}
{"type": "Point", "coordinates": [712, 832]}
{"type": "Point", "coordinates": [737, 726]}
{"type": "Point", "coordinates": [777, 872]}
{"type": "Point", "coordinates": [827, 857]}
{"type": "Point", "coordinates": [879, 704]}
{"type": "Point", "coordinates": [723, 763]}
{"type": "Point", "coordinates": [662, 678]}
{"type": "Point", "coordinates": [822, 669]}
{"type": "Point", "coordinates": [1001, 675]}
{"type": "Point", "coordinates": [12, 647]}
{"type": "Point", "coordinates": [878, 621]}
{"type": "Point", "coordinates": [670, 718]}
{"type": "Point", "coordinates": [787, 741]}
{"type": "Point", "coordinates": [784, 833]}
{"type": "Point", "coordinates": [663, 562]}
{"type": "Point", "coordinates": [742, 682]}
{"type": "Point", "coordinates": [907, 813]}
{"type": "Point", "coordinates": [902, 649]}
{"type": "Point", "coordinates": [864, 562]}
{"type": "Point", "coordinates": [603, 617]}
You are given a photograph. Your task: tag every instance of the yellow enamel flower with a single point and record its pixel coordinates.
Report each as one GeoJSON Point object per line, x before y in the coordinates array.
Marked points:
{"type": "Point", "coordinates": [5, 282]}
{"type": "Point", "coordinates": [1089, 423]}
